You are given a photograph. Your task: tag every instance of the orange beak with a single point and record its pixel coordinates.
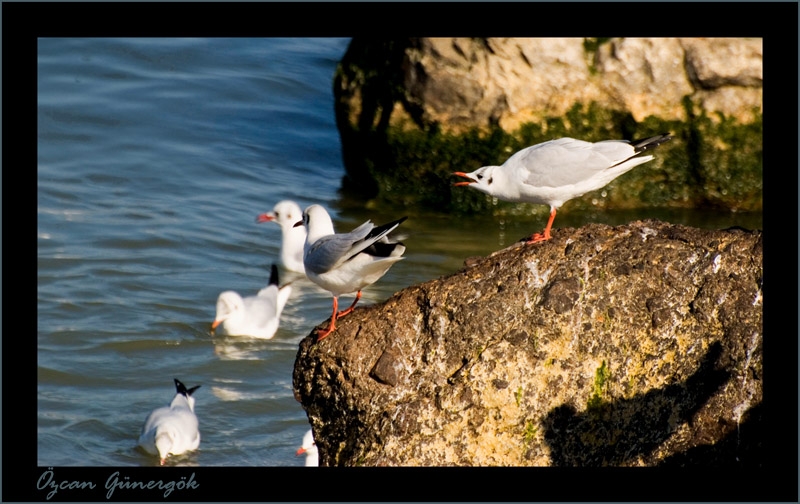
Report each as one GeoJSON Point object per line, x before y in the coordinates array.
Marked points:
{"type": "Point", "coordinates": [214, 325]}
{"type": "Point", "coordinates": [462, 174]}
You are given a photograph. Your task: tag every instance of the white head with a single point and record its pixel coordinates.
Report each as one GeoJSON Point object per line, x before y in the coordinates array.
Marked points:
{"type": "Point", "coordinates": [482, 179]}
{"type": "Point", "coordinates": [230, 309]}
{"type": "Point", "coordinates": [317, 222]}
{"type": "Point", "coordinates": [286, 213]}
{"type": "Point", "coordinates": [309, 447]}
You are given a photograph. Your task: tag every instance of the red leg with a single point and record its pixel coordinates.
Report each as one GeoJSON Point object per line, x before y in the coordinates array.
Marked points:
{"type": "Point", "coordinates": [544, 235]}
{"type": "Point", "coordinates": [345, 312]}
{"type": "Point", "coordinates": [325, 332]}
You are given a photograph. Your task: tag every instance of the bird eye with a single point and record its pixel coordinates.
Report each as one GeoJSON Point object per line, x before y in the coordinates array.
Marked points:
{"type": "Point", "coordinates": [277, 214]}
{"type": "Point", "coordinates": [479, 177]}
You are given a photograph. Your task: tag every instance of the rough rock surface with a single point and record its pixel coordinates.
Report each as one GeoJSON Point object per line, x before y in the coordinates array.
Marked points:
{"type": "Point", "coordinates": [461, 83]}
{"type": "Point", "coordinates": [636, 345]}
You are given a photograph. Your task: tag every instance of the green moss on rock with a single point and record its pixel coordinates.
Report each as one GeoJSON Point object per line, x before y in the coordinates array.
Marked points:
{"type": "Point", "coordinates": [712, 161]}
{"type": "Point", "coordinates": [730, 166]}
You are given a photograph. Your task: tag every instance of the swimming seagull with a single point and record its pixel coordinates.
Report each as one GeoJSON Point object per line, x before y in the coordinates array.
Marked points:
{"type": "Point", "coordinates": [551, 173]}
{"type": "Point", "coordinates": [285, 213]}
{"type": "Point", "coordinates": [309, 447]}
{"type": "Point", "coordinates": [256, 316]}
{"type": "Point", "coordinates": [173, 429]}
{"type": "Point", "coordinates": [347, 262]}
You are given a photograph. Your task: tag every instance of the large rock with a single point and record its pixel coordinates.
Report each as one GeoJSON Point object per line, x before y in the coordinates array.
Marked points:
{"type": "Point", "coordinates": [462, 83]}
{"type": "Point", "coordinates": [637, 345]}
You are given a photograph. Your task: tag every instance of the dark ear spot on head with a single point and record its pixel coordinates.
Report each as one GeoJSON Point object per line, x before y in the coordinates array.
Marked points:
{"type": "Point", "coordinates": [490, 181]}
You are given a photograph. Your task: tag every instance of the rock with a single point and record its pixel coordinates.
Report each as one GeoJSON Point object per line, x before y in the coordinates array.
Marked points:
{"type": "Point", "coordinates": [465, 82]}
{"type": "Point", "coordinates": [644, 76]}
{"type": "Point", "coordinates": [651, 77]}
{"type": "Point", "coordinates": [461, 83]}
{"type": "Point", "coordinates": [713, 63]}
{"type": "Point", "coordinates": [637, 345]}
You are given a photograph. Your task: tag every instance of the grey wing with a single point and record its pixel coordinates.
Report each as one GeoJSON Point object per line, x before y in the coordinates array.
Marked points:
{"type": "Point", "coordinates": [568, 161]}
{"type": "Point", "coordinates": [324, 254]}
{"type": "Point", "coordinates": [327, 252]}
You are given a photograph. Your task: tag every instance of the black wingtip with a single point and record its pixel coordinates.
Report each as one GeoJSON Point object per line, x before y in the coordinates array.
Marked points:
{"type": "Point", "coordinates": [650, 142]}
{"type": "Point", "coordinates": [181, 388]}
{"type": "Point", "coordinates": [273, 275]}
{"type": "Point", "coordinates": [378, 230]}
{"type": "Point", "coordinates": [380, 249]}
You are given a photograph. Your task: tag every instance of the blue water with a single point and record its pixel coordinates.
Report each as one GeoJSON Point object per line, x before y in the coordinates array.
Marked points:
{"type": "Point", "coordinates": [154, 158]}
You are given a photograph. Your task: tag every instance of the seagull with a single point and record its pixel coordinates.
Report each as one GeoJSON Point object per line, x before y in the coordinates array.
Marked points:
{"type": "Point", "coordinates": [347, 262]}
{"type": "Point", "coordinates": [256, 316]}
{"type": "Point", "coordinates": [309, 447]}
{"type": "Point", "coordinates": [554, 172]}
{"type": "Point", "coordinates": [285, 213]}
{"type": "Point", "coordinates": [173, 429]}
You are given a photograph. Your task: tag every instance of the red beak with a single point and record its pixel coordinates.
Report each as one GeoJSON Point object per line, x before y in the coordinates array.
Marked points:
{"type": "Point", "coordinates": [462, 174]}
{"type": "Point", "coordinates": [264, 217]}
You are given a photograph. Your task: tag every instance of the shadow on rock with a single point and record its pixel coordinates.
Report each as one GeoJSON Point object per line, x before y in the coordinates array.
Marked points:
{"type": "Point", "coordinates": [742, 447]}
{"type": "Point", "coordinates": [623, 432]}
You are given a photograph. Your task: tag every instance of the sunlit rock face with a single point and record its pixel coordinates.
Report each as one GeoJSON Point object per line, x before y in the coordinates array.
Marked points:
{"type": "Point", "coordinates": [637, 345]}
{"type": "Point", "coordinates": [462, 83]}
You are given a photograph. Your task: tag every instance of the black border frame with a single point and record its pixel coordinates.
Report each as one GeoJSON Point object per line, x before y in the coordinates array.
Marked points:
{"type": "Point", "coordinates": [775, 22]}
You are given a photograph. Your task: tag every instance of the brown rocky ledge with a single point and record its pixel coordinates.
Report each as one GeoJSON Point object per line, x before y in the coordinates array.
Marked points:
{"type": "Point", "coordinates": [636, 345]}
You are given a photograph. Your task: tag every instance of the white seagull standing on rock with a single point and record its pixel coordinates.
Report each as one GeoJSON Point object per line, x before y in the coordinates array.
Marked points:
{"type": "Point", "coordinates": [256, 316]}
{"type": "Point", "coordinates": [554, 172]}
{"type": "Point", "coordinates": [173, 429]}
{"type": "Point", "coordinates": [285, 213]}
{"type": "Point", "coordinates": [347, 262]}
